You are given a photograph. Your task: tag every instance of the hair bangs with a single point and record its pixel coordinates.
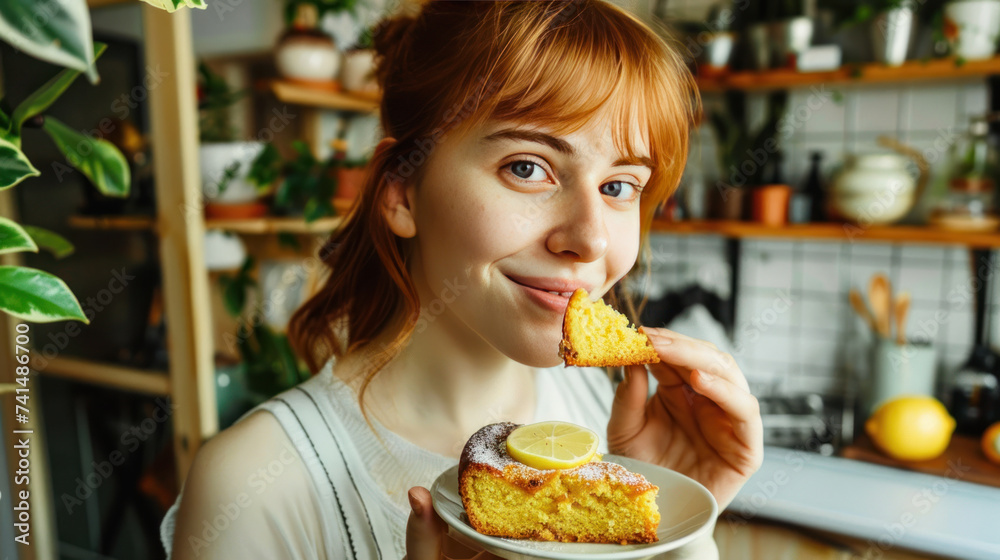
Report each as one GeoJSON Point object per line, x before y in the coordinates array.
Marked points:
{"type": "Point", "coordinates": [569, 63]}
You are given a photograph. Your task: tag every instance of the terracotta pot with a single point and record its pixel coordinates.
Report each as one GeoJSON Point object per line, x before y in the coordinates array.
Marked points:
{"type": "Point", "coordinates": [235, 211]}
{"type": "Point", "coordinates": [727, 203]}
{"type": "Point", "coordinates": [770, 204]}
{"type": "Point", "coordinates": [349, 182]}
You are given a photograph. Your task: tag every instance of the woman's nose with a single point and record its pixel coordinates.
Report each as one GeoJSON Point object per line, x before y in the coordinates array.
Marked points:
{"type": "Point", "coordinates": [581, 230]}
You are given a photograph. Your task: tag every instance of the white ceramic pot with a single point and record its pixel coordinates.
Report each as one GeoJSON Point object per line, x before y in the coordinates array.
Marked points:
{"type": "Point", "coordinates": [307, 57]}
{"type": "Point", "coordinates": [872, 189]}
{"type": "Point", "coordinates": [358, 73]}
{"type": "Point", "coordinates": [223, 251]}
{"type": "Point", "coordinates": [978, 25]}
{"type": "Point", "coordinates": [215, 159]}
{"type": "Point", "coordinates": [892, 31]}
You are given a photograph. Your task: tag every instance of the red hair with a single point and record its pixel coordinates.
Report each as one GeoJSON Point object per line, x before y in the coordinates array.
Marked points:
{"type": "Point", "coordinates": [455, 65]}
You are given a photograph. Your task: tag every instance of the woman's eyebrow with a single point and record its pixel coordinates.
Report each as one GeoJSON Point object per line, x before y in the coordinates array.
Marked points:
{"type": "Point", "coordinates": [557, 144]}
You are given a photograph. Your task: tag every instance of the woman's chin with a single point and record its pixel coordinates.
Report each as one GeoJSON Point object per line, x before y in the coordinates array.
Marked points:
{"type": "Point", "coordinates": [536, 353]}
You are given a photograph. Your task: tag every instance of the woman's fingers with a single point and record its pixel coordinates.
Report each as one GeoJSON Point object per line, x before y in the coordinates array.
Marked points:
{"type": "Point", "coordinates": [628, 410]}
{"type": "Point", "coordinates": [675, 334]}
{"type": "Point", "coordinates": [738, 404]}
{"type": "Point", "coordinates": [692, 354]}
{"type": "Point", "coordinates": [425, 530]}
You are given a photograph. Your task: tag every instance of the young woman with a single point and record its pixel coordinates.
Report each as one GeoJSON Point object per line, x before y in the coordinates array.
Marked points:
{"type": "Point", "coordinates": [526, 147]}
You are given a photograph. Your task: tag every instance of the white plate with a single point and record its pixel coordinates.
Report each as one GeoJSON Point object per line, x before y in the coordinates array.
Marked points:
{"type": "Point", "coordinates": [687, 510]}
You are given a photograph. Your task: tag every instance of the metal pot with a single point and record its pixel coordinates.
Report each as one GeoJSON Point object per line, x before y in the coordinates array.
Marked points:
{"type": "Point", "coordinates": [891, 33]}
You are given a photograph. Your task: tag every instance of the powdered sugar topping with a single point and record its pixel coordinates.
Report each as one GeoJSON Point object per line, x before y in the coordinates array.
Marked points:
{"type": "Point", "coordinates": [488, 446]}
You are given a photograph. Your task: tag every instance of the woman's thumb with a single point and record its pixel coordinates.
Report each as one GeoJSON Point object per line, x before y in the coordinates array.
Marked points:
{"type": "Point", "coordinates": [628, 410]}
{"type": "Point", "coordinates": [425, 530]}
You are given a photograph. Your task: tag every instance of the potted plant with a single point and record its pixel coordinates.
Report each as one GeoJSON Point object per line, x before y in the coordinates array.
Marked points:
{"type": "Point", "coordinates": [791, 32]}
{"type": "Point", "coordinates": [897, 28]}
{"type": "Point", "coordinates": [350, 173]}
{"type": "Point", "coordinates": [269, 361]}
{"type": "Point", "coordinates": [745, 156]}
{"type": "Point", "coordinates": [224, 161]}
{"type": "Point", "coordinates": [305, 184]}
{"type": "Point", "coordinates": [358, 74]}
{"type": "Point", "coordinates": [304, 52]}
{"type": "Point", "coordinates": [972, 27]}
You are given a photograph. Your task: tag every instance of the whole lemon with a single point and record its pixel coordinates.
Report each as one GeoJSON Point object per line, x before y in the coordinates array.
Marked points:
{"type": "Point", "coordinates": [991, 443]}
{"type": "Point", "coordinates": [911, 428]}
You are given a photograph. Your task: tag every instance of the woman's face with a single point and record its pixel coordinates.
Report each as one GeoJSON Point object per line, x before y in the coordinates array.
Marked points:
{"type": "Point", "coordinates": [506, 213]}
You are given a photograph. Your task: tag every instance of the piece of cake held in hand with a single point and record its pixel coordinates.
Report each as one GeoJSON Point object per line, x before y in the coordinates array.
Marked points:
{"type": "Point", "coordinates": [594, 334]}
{"type": "Point", "coordinates": [546, 482]}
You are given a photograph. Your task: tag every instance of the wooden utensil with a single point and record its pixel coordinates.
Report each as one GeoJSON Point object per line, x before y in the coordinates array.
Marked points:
{"type": "Point", "coordinates": [900, 309]}
{"type": "Point", "coordinates": [880, 299]}
{"type": "Point", "coordinates": [858, 304]}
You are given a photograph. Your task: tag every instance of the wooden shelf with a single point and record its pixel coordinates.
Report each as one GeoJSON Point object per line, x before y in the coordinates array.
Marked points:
{"type": "Point", "coordinates": [914, 70]}
{"type": "Point", "coordinates": [269, 225]}
{"type": "Point", "coordinates": [103, 3]}
{"type": "Point", "coordinates": [113, 222]}
{"type": "Point", "coordinates": [832, 231]}
{"type": "Point", "coordinates": [298, 94]}
{"type": "Point", "coordinates": [109, 375]}
{"type": "Point", "coordinates": [962, 450]}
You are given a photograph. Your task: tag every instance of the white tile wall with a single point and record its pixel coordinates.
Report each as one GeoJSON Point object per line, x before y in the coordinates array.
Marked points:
{"type": "Point", "coordinates": [812, 339]}
{"type": "Point", "coordinates": [819, 340]}
{"type": "Point", "coordinates": [922, 114]}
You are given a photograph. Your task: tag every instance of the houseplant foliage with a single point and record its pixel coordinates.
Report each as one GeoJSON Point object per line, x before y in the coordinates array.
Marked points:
{"type": "Point", "coordinates": [271, 365]}
{"type": "Point", "coordinates": [306, 185]}
{"type": "Point", "coordinates": [58, 32]}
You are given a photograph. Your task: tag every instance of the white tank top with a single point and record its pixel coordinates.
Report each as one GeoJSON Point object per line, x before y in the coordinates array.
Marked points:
{"type": "Point", "coordinates": [360, 484]}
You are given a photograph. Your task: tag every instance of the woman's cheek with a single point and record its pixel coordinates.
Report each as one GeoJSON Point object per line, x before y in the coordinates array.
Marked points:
{"type": "Point", "coordinates": [623, 243]}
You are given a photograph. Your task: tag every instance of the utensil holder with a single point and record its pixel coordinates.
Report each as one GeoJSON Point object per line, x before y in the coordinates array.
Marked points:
{"type": "Point", "coordinates": [897, 370]}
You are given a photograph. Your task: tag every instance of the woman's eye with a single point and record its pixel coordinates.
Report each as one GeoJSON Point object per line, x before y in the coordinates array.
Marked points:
{"type": "Point", "coordinates": [615, 189]}
{"type": "Point", "coordinates": [527, 170]}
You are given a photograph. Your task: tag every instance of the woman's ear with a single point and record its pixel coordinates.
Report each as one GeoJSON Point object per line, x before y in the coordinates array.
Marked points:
{"type": "Point", "coordinates": [397, 206]}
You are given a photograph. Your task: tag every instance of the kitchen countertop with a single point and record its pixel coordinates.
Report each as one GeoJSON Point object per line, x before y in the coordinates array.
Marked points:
{"type": "Point", "coordinates": [884, 506]}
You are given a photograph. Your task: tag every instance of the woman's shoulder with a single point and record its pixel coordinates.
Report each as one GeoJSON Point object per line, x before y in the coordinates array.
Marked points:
{"type": "Point", "coordinates": [248, 481]}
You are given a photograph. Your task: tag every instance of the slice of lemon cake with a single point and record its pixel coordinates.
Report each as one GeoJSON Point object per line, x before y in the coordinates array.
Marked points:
{"type": "Point", "coordinates": [546, 482]}
{"type": "Point", "coordinates": [594, 334]}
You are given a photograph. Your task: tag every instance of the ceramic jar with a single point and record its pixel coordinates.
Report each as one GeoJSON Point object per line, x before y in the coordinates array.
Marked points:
{"type": "Point", "coordinates": [304, 52]}
{"type": "Point", "coordinates": [872, 189]}
{"type": "Point", "coordinates": [358, 73]}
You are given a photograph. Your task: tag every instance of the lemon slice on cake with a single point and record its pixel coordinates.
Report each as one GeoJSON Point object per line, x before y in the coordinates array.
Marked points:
{"type": "Point", "coordinates": [552, 445]}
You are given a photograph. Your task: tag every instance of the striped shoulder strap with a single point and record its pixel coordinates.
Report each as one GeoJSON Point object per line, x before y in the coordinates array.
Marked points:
{"type": "Point", "coordinates": [359, 530]}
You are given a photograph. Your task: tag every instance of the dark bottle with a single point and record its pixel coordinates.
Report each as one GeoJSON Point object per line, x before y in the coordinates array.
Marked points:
{"type": "Point", "coordinates": [777, 177]}
{"type": "Point", "coordinates": [973, 398]}
{"type": "Point", "coordinates": [814, 189]}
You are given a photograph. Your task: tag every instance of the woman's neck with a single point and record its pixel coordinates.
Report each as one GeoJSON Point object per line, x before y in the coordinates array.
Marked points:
{"type": "Point", "coordinates": [445, 384]}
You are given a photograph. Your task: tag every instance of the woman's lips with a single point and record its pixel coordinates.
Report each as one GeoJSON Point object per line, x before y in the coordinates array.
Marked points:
{"type": "Point", "coordinates": [552, 302]}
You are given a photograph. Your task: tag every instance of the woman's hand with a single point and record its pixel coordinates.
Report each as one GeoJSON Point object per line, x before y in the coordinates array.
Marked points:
{"type": "Point", "coordinates": [702, 422]}
{"type": "Point", "coordinates": [427, 534]}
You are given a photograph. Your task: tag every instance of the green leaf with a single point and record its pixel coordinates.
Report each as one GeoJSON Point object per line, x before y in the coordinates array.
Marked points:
{"type": "Point", "coordinates": [245, 269]}
{"type": "Point", "coordinates": [266, 167]}
{"type": "Point", "coordinates": [172, 5]}
{"type": "Point", "coordinates": [37, 296]}
{"type": "Point", "coordinates": [289, 240]}
{"type": "Point", "coordinates": [44, 96]}
{"type": "Point", "coordinates": [51, 241]}
{"type": "Point", "coordinates": [13, 238]}
{"type": "Point", "coordinates": [234, 296]}
{"type": "Point", "coordinates": [5, 124]}
{"type": "Point", "coordinates": [98, 159]}
{"type": "Point", "coordinates": [14, 165]}
{"type": "Point", "coordinates": [54, 31]}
